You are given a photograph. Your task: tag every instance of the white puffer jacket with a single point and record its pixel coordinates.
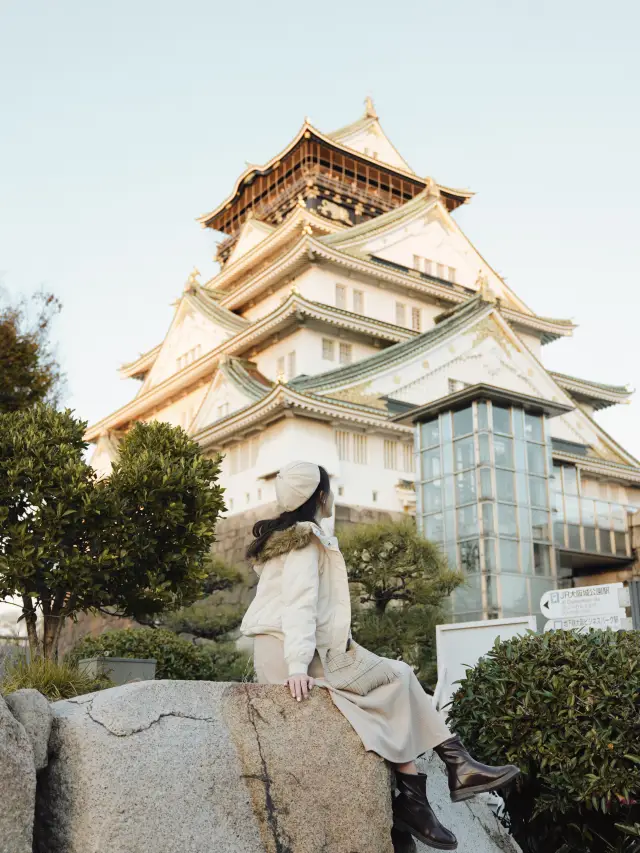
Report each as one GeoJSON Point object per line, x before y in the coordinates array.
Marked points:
{"type": "Point", "coordinates": [302, 595]}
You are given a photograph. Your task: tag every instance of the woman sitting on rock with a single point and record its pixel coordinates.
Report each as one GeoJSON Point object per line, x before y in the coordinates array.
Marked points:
{"type": "Point", "coordinates": [300, 619]}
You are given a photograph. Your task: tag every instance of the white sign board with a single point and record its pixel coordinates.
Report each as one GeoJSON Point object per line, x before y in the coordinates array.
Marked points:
{"type": "Point", "coordinates": [461, 645]}
{"type": "Point", "coordinates": [613, 622]}
{"type": "Point", "coordinates": [603, 600]}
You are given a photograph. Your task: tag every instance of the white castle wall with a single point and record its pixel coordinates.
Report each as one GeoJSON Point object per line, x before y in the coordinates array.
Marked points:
{"type": "Point", "coordinates": [367, 484]}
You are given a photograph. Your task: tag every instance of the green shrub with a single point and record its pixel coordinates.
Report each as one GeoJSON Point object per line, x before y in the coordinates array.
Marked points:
{"type": "Point", "coordinates": [175, 658]}
{"type": "Point", "coordinates": [565, 708]}
{"type": "Point", "coordinates": [54, 680]}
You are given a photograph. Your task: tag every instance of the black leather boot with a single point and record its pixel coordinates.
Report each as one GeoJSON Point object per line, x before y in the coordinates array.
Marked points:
{"type": "Point", "coordinates": [467, 777]}
{"type": "Point", "coordinates": [412, 813]}
{"type": "Point", "coordinates": [402, 841]}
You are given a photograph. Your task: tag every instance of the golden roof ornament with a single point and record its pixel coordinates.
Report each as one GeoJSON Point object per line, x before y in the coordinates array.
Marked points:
{"type": "Point", "coordinates": [431, 188]}
{"type": "Point", "coordinates": [485, 291]}
{"type": "Point", "coordinates": [301, 202]}
{"type": "Point", "coordinates": [192, 282]}
{"type": "Point", "coordinates": [369, 109]}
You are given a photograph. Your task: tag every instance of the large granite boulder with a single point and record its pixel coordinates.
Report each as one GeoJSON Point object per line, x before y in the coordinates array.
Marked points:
{"type": "Point", "coordinates": [201, 767]}
{"type": "Point", "coordinates": [17, 785]}
{"type": "Point", "coordinates": [31, 709]}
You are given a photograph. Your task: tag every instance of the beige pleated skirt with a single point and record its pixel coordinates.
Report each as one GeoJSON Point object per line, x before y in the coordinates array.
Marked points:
{"type": "Point", "coordinates": [397, 721]}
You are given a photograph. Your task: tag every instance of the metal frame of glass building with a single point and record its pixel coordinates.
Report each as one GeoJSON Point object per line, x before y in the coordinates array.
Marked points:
{"type": "Point", "coordinates": [489, 493]}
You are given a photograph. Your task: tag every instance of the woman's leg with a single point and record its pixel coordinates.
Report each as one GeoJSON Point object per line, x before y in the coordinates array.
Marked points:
{"type": "Point", "coordinates": [409, 768]}
{"type": "Point", "coordinates": [412, 812]}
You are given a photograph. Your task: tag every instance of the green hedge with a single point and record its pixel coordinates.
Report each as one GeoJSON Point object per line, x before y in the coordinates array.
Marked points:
{"type": "Point", "coordinates": [176, 658]}
{"type": "Point", "coordinates": [565, 708]}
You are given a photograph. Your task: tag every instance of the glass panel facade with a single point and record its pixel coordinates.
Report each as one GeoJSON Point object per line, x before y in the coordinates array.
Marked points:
{"type": "Point", "coordinates": [485, 487]}
{"type": "Point", "coordinates": [490, 495]}
{"type": "Point", "coordinates": [586, 525]}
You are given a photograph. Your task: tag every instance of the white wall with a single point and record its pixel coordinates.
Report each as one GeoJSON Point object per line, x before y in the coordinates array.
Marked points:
{"type": "Point", "coordinates": [307, 345]}
{"type": "Point", "coordinates": [182, 412]}
{"type": "Point", "coordinates": [302, 438]}
{"type": "Point", "coordinates": [318, 284]}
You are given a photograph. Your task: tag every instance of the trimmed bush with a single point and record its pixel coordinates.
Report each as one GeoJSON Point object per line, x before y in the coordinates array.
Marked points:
{"type": "Point", "coordinates": [54, 680]}
{"type": "Point", "coordinates": [175, 658]}
{"type": "Point", "coordinates": [565, 708]}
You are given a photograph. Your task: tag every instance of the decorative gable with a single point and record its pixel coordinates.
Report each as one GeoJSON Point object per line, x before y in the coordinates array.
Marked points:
{"type": "Point", "coordinates": [422, 236]}
{"type": "Point", "coordinates": [196, 330]}
{"type": "Point", "coordinates": [473, 345]}
{"type": "Point", "coordinates": [251, 234]}
{"type": "Point", "coordinates": [236, 384]}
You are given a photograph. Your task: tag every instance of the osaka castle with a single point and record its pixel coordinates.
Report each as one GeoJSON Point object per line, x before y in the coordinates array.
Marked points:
{"type": "Point", "coordinates": [352, 323]}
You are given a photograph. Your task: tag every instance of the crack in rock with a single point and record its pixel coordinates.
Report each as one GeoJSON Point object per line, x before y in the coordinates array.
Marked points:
{"type": "Point", "coordinates": [146, 727]}
{"type": "Point", "coordinates": [281, 846]}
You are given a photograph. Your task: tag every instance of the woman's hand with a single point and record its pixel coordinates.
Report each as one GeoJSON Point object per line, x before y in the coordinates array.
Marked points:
{"type": "Point", "coordinates": [300, 685]}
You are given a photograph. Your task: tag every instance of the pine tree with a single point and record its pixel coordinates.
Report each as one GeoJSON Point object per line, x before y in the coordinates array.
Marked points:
{"type": "Point", "coordinates": [399, 582]}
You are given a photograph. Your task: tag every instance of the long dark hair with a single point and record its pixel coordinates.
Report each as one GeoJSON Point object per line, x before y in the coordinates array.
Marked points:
{"type": "Point", "coordinates": [262, 530]}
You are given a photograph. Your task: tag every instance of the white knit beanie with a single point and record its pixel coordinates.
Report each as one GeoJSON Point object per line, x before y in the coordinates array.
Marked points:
{"type": "Point", "coordinates": [295, 484]}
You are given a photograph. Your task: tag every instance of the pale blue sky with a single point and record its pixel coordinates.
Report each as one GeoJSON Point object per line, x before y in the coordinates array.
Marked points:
{"type": "Point", "coordinates": [122, 121]}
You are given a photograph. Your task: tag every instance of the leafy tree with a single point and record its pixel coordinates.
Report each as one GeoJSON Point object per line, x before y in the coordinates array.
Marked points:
{"type": "Point", "coordinates": [30, 372]}
{"type": "Point", "coordinates": [564, 707]}
{"type": "Point", "coordinates": [133, 544]}
{"type": "Point", "coordinates": [214, 615]}
{"type": "Point", "coordinates": [399, 582]}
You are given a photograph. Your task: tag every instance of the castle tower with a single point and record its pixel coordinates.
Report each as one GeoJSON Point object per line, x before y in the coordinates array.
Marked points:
{"type": "Point", "coordinates": [353, 323]}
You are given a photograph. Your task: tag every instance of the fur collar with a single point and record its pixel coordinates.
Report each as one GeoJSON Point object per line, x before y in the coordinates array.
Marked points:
{"type": "Point", "coordinates": [283, 541]}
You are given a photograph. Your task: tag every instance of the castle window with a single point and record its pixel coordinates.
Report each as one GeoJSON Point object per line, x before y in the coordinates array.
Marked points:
{"type": "Point", "coordinates": [360, 448]}
{"type": "Point", "coordinates": [344, 445]}
{"type": "Point", "coordinates": [401, 314]}
{"type": "Point", "coordinates": [441, 271]}
{"type": "Point", "coordinates": [452, 274]}
{"type": "Point", "coordinates": [417, 262]}
{"type": "Point", "coordinates": [341, 296]}
{"type": "Point", "coordinates": [428, 266]}
{"type": "Point", "coordinates": [346, 353]}
{"type": "Point", "coordinates": [188, 357]}
{"type": "Point", "coordinates": [390, 455]}
{"type": "Point", "coordinates": [358, 302]}
{"type": "Point", "coordinates": [408, 458]}
{"type": "Point", "coordinates": [374, 497]}
{"type": "Point", "coordinates": [416, 320]}
{"type": "Point", "coordinates": [280, 368]}
{"type": "Point", "coordinates": [352, 446]}
{"type": "Point", "coordinates": [328, 349]}
{"type": "Point", "coordinates": [243, 455]}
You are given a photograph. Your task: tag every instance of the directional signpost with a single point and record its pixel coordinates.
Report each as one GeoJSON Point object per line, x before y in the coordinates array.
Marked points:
{"type": "Point", "coordinates": [602, 607]}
